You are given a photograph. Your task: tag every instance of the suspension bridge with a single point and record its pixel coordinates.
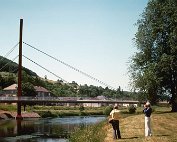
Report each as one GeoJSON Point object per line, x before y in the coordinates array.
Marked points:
{"type": "Point", "coordinates": [20, 99]}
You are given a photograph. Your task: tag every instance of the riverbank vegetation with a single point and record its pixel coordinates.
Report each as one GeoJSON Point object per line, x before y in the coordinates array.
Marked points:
{"type": "Point", "coordinates": [57, 111]}
{"type": "Point", "coordinates": [60, 111]}
{"type": "Point", "coordinates": [93, 133]}
{"type": "Point", "coordinates": [8, 107]}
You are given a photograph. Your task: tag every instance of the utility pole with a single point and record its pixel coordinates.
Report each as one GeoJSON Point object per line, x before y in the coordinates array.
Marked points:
{"type": "Point", "coordinates": [19, 116]}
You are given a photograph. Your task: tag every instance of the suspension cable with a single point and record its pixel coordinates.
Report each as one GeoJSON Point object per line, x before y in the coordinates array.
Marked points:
{"type": "Point", "coordinates": [10, 51]}
{"type": "Point", "coordinates": [14, 70]}
{"type": "Point", "coordinates": [91, 77]}
{"type": "Point", "coordinates": [8, 63]}
{"type": "Point", "coordinates": [45, 69]}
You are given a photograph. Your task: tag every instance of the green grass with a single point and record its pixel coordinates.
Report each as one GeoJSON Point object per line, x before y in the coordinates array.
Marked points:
{"type": "Point", "coordinates": [59, 111]}
{"type": "Point", "coordinates": [55, 111]}
{"type": "Point", "coordinates": [8, 107]}
{"type": "Point", "coordinates": [93, 133]}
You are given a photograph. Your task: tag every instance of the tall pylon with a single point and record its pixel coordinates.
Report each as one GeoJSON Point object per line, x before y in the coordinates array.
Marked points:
{"type": "Point", "coordinates": [19, 116]}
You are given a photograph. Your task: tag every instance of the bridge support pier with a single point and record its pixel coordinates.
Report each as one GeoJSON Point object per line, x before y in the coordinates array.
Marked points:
{"type": "Point", "coordinates": [19, 116]}
{"type": "Point", "coordinates": [20, 72]}
{"type": "Point", "coordinates": [19, 126]}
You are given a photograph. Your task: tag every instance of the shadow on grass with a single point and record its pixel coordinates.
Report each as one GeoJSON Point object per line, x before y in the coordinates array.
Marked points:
{"type": "Point", "coordinates": [162, 112]}
{"type": "Point", "coordinates": [162, 135]}
{"type": "Point", "coordinates": [129, 138]}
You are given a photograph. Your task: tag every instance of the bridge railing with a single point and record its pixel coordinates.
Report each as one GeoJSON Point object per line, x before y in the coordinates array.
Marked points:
{"type": "Point", "coordinates": [27, 100]}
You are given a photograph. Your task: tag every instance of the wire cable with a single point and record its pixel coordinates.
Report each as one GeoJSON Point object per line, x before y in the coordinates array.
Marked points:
{"type": "Point", "coordinates": [91, 77]}
{"type": "Point", "coordinates": [10, 51]}
{"type": "Point", "coordinates": [8, 63]}
{"type": "Point", "coordinates": [45, 69]}
{"type": "Point", "coordinates": [13, 71]}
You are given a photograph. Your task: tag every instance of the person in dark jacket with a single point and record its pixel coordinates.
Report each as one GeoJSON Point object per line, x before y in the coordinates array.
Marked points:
{"type": "Point", "coordinates": [147, 111]}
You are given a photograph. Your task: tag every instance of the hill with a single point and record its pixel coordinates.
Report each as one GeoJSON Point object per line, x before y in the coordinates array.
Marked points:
{"type": "Point", "coordinates": [7, 65]}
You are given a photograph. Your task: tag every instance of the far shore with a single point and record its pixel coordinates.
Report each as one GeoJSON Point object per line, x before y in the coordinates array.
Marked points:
{"type": "Point", "coordinates": [13, 114]}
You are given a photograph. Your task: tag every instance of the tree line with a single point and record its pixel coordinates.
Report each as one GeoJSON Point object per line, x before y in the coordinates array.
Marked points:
{"type": "Point", "coordinates": [60, 89]}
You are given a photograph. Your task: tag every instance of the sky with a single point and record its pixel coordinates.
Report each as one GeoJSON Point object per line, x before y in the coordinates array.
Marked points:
{"type": "Point", "coordinates": [94, 36]}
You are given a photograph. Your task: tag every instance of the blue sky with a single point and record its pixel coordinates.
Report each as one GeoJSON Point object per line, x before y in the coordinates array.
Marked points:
{"type": "Point", "coordinates": [94, 36]}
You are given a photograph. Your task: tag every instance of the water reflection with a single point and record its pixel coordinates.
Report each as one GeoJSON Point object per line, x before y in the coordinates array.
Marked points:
{"type": "Point", "coordinates": [43, 130]}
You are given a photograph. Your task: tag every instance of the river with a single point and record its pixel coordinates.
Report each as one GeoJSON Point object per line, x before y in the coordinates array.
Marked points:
{"type": "Point", "coordinates": [43, 130]}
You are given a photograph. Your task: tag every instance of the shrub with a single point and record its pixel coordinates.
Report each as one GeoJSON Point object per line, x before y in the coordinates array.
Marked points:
{"type": "Point", "coordinates": [45, 114]}
{"type": "Point", "coordinates": [107, 110]}
{"type": "Point", "coordinates": [81, 108]}
{"type": "Point", "coordinates": [81, 113]}
{"type": "Point", "coordinates": [132, 109]}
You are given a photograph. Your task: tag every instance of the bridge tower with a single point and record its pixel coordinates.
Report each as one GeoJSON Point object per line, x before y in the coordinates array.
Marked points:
{"type": "Point", "coordinates": [19, 116]}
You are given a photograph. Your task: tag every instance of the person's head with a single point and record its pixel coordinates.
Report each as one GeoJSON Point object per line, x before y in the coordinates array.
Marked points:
{"type": "Point", "coordinates": [115, 106]}
{"type": "Point", "coordinates": [148, 104]}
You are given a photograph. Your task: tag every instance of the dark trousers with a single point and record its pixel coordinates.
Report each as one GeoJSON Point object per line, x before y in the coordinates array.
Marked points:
{"type": "Point", "coordinates": [116, 130]}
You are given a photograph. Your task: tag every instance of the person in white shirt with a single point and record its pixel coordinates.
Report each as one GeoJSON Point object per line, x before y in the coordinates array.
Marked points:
{"type": "Point", "coordinates": [115, 115]}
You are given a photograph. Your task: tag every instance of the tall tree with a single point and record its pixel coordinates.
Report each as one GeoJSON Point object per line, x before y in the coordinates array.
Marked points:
{"type": "Point", "coordinates": [154, 67]}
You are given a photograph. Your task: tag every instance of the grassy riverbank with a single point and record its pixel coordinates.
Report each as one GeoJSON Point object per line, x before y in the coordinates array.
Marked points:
{"type": "Point", "coordinates": [56, 111]}
{"type": "Point", "coordinates": [132, 128]}
{"type": "Point", "coordinates": [60, 111]}
{"type": "Point", "coordinates": [93, 133]}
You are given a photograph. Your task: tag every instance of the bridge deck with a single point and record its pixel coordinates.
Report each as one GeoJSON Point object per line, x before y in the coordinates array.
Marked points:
{"type": "Point", "coordinates": [57, 100]}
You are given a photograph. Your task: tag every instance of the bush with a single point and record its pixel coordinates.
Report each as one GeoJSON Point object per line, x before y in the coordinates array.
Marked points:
{"type": "Point", "coordinates": [107, 110]}
{"type": "Point", "coordinates": [81, 108]}
{"type": "Point", "coordinates": [132, 109]}
{"type": "Point", "coordinates": [47, 114]}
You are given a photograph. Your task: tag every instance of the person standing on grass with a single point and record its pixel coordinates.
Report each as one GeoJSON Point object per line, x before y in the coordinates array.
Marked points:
{"type": "Point", "coordinates": [115, 115]}
{"type": "Point", "coordinates": [147, 111]}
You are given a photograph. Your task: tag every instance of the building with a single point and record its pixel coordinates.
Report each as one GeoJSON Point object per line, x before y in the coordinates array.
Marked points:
{"type": "Point", "coordinates": [42, 92]}
{"type": "Point", "coordinates": [10, 91]}
{"type": "Point", "coordinates": [69, 99]}
{"type": "Point", "coordinates": [96, 104]}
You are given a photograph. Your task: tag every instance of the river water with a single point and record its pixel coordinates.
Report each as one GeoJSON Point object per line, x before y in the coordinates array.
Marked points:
{"type": "Point", "coordinates": [43, 130]}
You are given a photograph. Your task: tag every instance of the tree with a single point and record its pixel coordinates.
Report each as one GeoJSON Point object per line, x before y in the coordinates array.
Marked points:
{"type": "Point", "coordinates": [154, 67]}
{"type": "Point", "coordinates": [28, 90]}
